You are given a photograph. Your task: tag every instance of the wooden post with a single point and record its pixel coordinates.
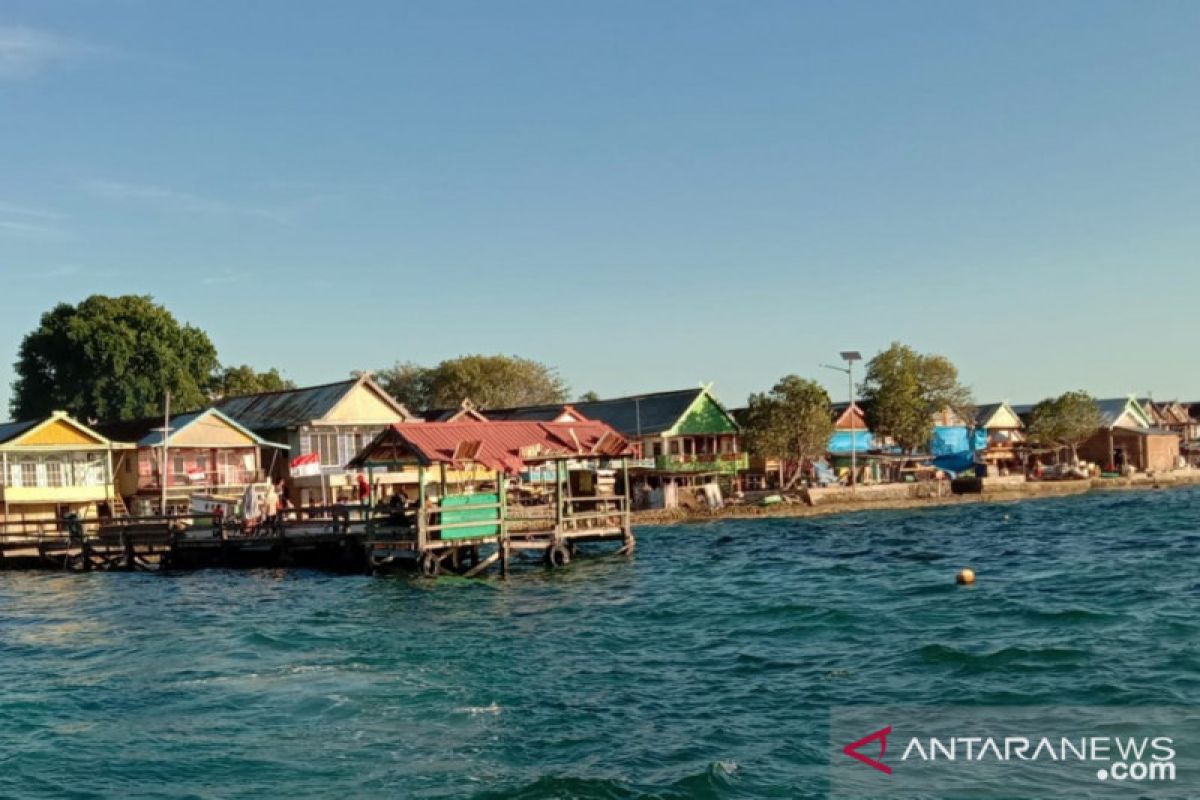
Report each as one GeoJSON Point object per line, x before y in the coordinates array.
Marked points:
{"type": "Point", "coordinates": [5, 482]}
{"type": "Point", "coordinates": [371, 491]}
{"type": "Point", "coordinates": [166, 435]}
{"type": "Point", "coordinates": [422, 523]}
{"type": "Point", "coordinates": [558, 499]}
{"type": "Point", "coordinates": [502, 542]}
{"type": "Point", "coordinates": [628, 524]}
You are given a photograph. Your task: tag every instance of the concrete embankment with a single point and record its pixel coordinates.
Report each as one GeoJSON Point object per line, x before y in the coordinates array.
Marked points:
{"type": "Point", "coordinates": [840, 500]}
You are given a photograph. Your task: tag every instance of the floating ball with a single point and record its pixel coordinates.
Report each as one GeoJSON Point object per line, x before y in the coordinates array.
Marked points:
{"type": "Point", "coordinates": [966, 576]}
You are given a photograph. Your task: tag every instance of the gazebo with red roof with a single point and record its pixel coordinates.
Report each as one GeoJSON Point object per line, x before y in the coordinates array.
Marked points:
{"type": "Point", "coordinates": [449, 531]}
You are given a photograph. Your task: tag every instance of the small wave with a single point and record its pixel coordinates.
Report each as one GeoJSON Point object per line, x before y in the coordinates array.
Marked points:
{"type": "Point", "coordinates": [1008, 657]}
{"type": "Point", "coordinates": [918, 555]}
{"type": "Point", "coordinates": [493, 708]}
{"type": "Point", "coordinates": [1070, 615]}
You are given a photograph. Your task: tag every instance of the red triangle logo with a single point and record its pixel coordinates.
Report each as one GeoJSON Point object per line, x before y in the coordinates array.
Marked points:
{"type": "Point", "coordinates": [881, 735]}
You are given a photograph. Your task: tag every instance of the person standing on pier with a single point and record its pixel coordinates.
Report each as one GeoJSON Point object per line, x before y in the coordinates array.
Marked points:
{"type": "Point", "coordinates": [271, 508]}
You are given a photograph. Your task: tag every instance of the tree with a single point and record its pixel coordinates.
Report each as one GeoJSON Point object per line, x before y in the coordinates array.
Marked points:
{"type": "Point", "coordinates": [792, 422]}
{"type": "Point", "coordinates": [495, 382]}
{"type": "Point", "coordinates": [489, 381]}
{"type": "Point", "coordinates": [589, 397]}
{"type": "Point", "coordinates": [1065, 421]}
{"type": "Point", "coordinates": [235, 381]}
{"type": "Point", "coordinates": [111, 358]}
{"type": "Point", "coordinates": [409, 383]}
{"type": "Point", "coordinates": [903, 390]}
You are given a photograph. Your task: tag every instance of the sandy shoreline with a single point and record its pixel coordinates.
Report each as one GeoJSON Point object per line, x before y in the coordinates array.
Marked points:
{"type": "Point", "coordinates": [905, 496]}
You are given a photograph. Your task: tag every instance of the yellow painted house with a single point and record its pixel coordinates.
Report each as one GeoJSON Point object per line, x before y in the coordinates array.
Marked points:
{"type": "Point", "coordinates": [54, 466]}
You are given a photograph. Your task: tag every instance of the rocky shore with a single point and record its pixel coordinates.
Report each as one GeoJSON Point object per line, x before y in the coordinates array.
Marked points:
{"type": "Point", "coordinates": [841, 500]}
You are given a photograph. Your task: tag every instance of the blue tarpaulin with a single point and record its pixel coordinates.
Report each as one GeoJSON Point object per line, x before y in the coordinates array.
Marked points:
{"type": "Point", "coordinates": [951, 440]}
{"type": "Point", "coordinates": [951, 447]}
{"type": "Point", "coordinates": [839, 443]}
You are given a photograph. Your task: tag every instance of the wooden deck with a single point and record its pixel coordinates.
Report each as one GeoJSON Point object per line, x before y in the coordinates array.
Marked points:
{"type": "Point", "coordinates": [343, 539]}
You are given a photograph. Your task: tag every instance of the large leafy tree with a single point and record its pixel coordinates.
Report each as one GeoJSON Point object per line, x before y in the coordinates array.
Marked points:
{"type": "Point", "coordinates": [244, 379]}
{"type": "Point", "coordinates": [903, 390]}
{"type": "Point", "coordinates": [1065, 421]}
{"type": "Point", "coordinates": [409, 383]}
{"type": "Point", "coordinates": [111, 358]}
{"type": "Point", "coordinates": [489, 381]}
{"type": "Point", "coordinates": [792, 422]}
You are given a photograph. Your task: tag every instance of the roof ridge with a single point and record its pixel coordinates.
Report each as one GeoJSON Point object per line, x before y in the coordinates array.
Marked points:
{"type": "Point", "coordinates": [284, 391]}
{"type": "Point", "coordinates": [642, 396]}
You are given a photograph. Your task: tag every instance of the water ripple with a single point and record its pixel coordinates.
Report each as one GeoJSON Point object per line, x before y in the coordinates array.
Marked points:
{"type": "Point", "coordinates": [704, 667]}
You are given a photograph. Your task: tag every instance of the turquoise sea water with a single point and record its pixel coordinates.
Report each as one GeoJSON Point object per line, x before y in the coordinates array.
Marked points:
{"type": "Point", "coordinates": [703, 667]}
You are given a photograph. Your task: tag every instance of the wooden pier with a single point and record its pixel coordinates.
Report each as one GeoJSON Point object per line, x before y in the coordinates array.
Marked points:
{"type": "Point", "coordinates": [487, 494]}
{"type": "Point", "coordinates": [174, 542]}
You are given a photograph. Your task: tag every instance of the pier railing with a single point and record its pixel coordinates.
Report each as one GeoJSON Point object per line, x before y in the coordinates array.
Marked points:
{"type": "Point", "coordinates": [722, 463]}
{"type": "Point", "coordinates": [326, 519]}
{"type": "Point", "coordinates": [601, 511]}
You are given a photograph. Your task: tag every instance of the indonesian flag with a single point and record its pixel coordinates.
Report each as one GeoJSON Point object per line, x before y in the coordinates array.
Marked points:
{"type": "Point", "coordinates": [306, 465]}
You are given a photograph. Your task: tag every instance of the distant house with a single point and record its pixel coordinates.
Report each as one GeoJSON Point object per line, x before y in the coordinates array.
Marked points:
{"type": "Point", "coordinates": [331, 422]}
{"type": "Point", "coordinates": [469, 412]}
{"type": "Point", "coordinates": [850, 430]}
{"type": "Point", "coordinates": [1128, 437]}
{"type": "Point", "coordinates": [466, 412]}
{"type": "Point", "coordinates": [1173, 416]}
{"type": "Point", "coordinates": [207, 453]}
{"type": "Point", "coordinates": [685, 434]}
{"type": "Point", "coordinates": [560, 412]}
{"type": "Point", "coordinates": [1005, 435]}
{"type": "Point", "coordinates": [54, 466]}
{"type": "Point", "coordinates": [955, 442]}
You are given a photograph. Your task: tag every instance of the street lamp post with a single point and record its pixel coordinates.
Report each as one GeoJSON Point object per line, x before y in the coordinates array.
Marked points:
{"type": "Point", "coordinates": [850, 356]}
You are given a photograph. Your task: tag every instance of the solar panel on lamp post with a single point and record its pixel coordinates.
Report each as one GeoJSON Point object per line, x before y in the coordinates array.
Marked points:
{"type": "Point", "coordinates": [850, 356]}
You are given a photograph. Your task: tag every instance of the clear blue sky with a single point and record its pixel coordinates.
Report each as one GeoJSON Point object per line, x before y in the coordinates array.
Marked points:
{"type": "Point", "coordinates": [645, 194]}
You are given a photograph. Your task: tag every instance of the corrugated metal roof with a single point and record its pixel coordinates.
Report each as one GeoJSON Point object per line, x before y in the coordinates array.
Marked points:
{"type": "Point", "coordinates": [643, 414]}
{"type": "Point", "coordinates": [1112, 408]}
{"type": "Point", "coordinates": [11, 430]}
{"type": "Point", "coordinates": [985, 412]}
{"type": "Point", "coordinates": [147, 432]}
{"type": "Point", "coordinates": [284, 409]}
{"type": "Point", "coordinates": [636, 415]}
{"type": "Point", "coordinates": [529, 413]}
{"type": "Point", "coordinates": [505, 445]}
{"type": "Point", "coordinates": [290, 408]}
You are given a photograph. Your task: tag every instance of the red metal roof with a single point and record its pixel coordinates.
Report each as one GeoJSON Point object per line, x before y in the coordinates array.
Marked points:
{"type": "Point", "coordinates": [502, 445]}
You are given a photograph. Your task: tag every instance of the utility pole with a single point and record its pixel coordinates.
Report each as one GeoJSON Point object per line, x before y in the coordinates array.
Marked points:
{"type": "Point", "coordinates": [166, 435]}
{"type": "Point", "coordinates": [850, 356]}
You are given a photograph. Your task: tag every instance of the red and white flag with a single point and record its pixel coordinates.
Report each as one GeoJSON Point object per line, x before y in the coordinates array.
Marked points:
{"type": "Point", "coordinates": [306, 465]}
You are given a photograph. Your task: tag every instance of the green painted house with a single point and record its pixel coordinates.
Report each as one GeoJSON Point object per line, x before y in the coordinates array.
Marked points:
{"type": "Point", "coordinates": [680, 432]}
